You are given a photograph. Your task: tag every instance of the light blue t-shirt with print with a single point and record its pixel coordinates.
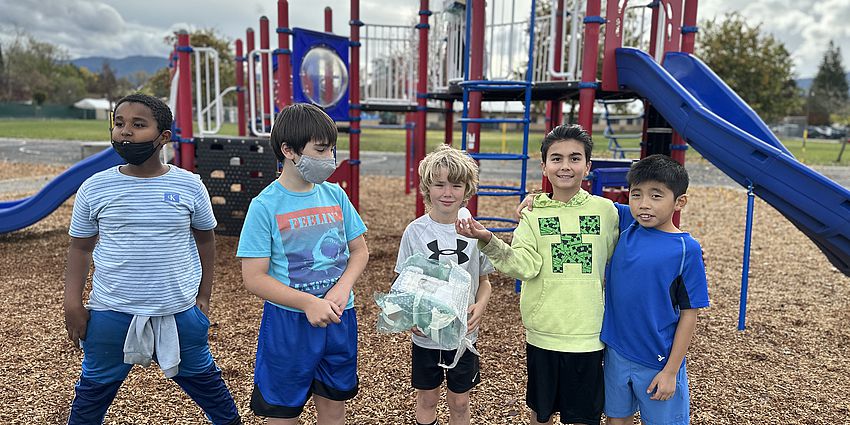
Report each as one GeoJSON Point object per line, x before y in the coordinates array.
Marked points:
{"type": "Point", "coordinates": [304, 235]}
{"type": "Point", "coordinates": [146, 261]}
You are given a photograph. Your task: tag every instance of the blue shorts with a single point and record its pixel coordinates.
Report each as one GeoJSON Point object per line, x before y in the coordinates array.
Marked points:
{"type": "Point", "coordinates": [625, 392]}
{"type": "Point", "coordinates": [103, 348]}
{"type": "Point", "coordinates": [296, 360]}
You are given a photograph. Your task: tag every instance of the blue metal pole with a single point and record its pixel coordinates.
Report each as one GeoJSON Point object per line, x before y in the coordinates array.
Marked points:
{"type": "Point", "coordinates": [748, 234]}
{"type": "Point", "coordinates": [465, 52]}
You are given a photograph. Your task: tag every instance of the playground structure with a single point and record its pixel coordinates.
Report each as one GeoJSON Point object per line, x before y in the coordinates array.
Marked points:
{"type": "Point", "coordinates": [478, 54]}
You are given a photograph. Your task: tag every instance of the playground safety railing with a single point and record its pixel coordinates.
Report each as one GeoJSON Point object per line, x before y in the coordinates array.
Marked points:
{"type": "Point", "coordinates": [257, 95]}
{"type": "Point", "coordinates": [207, 85]}
{"type": "Point", "coordinates": [389, 61]}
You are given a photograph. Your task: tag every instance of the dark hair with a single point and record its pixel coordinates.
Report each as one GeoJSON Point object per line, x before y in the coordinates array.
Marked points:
{"type": "Point", "coordinates": [160, 111]}
{"type": "Point", "coordinates": [662, 169]}
{"type": "Point", "coordinates": [567, 132]}
{"type": "Point", "coordinates": [299, 123]}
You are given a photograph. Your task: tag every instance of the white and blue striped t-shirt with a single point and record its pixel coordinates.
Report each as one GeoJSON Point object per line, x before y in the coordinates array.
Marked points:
{"type": "Point", "coordinates": [145, 261]}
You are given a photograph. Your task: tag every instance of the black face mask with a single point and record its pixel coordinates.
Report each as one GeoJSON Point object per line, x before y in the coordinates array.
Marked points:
{"type": "Point", "coordinates": [135, 153]}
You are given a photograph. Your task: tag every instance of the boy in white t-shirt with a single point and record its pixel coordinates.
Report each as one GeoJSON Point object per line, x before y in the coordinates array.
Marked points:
{"type": "Point", "coordinates": [448, 177]}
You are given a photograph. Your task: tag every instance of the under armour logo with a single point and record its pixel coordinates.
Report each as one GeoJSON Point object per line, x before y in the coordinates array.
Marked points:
{"type": "Point", "coordinates": [437, 252]}
{"type": "Point", "coordinates": [171, 197]}
{"type": "Point", "coordinates": [661, 358]}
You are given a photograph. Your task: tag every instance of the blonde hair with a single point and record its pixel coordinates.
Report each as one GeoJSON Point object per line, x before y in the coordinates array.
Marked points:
{"type": "Point", "coordinates": [460, 167]}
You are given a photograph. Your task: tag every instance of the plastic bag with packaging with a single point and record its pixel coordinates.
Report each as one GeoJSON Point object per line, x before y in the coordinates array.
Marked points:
{"type": "Point", "coordinates": [432, 296]}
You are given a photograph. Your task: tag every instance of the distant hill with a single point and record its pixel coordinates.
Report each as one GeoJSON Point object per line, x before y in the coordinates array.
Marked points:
{"type": "Point", "coordinates": [126, 67]}
{"type": "Point", "coordinates": [805, 83]}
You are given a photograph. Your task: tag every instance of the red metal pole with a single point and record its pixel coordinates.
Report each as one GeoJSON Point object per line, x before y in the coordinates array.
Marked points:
{"type": "Point", "coordinates": [449, 105]}
{"type": "Point", "coordinates": [184, 102]}
{"type": "Point", "coordinates": [329, 82]}
{"type": "Point", "coordinates": [267, 111]}
{"type": "Point", "coordinates": [249, 44]}
{"type": "Point", "coordinates": [284, 64]}
{"type": "Point", "coordinates": [613, 39]}
{"type": "Point", "coordinates": [354, 100]}
{"type": "Point", "coordinates": [240, 88]}
{"type": "Point", "coordinates": [653, 30]}
{"type": "Point", "coordinates": [421, 106]}
{"type": "Point", "coordinates": [329, 19]}
{"type": "Point", "coordinates": [476, 72]}
{"type": "Point", "coordinates": [587, 87]}
{"type": "Point", "coordinates": [554, 110]}
{"type": "Point", "coordinates": [409, 169]}
{"type": "Point", "coordinates": [673, 43]}
{"type": "Point", "coordinates": [689, 26]}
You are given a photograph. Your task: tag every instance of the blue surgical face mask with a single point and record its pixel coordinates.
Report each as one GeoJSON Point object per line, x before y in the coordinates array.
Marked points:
{"type": "Point", "coordinates": [315, 170]}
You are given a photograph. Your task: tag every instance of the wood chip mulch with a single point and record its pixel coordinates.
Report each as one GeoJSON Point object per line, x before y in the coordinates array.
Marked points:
{"type": "Point", "coordinates": [789, 366]}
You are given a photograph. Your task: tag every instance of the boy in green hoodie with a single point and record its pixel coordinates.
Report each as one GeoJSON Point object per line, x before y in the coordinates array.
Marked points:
{"type": "Point", "coordinates": [559, 251]}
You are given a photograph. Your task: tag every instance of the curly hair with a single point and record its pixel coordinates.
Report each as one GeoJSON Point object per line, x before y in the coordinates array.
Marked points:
{"type": "Point", "coordinates": [160, 111]}
{"type": "Point", "coordinates": [459, 166]}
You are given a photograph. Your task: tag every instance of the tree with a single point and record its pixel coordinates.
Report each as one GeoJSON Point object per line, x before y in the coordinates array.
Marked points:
{"type": "Point", "coordinates": [107, 84]}
{"type": "Point", "coordinates": [40, 72]}
{"type": "Point", "coordinates": [756, 66]}
{"type": "Point", "coordinates": [159, 83]}
{"type": "Point", "coordinates": [829, 91]}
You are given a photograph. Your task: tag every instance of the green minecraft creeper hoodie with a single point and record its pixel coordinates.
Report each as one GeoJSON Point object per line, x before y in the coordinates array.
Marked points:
{"type": "Point", "coordinates": [559, 251]}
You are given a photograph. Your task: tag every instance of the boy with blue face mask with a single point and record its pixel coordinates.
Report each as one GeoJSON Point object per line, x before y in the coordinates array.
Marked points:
{"type": "Point", "coordinates": [302, 249]}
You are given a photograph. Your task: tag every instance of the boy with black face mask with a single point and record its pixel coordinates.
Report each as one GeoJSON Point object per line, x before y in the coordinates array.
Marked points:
{"type": "Point", "coordinates": [302, 249]}
{"type": "Point", "coordinates": [148, 227]}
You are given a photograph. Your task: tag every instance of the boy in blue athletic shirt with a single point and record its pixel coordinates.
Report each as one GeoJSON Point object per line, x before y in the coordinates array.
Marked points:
{"type": "Point", "coordinates": [655, 284]}
{"type": "Point", "coordinates": [302, 249]}
{"type": "Point", "coordinates": [148, 229]}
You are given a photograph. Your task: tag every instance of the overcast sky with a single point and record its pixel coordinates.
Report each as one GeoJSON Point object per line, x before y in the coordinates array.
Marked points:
{"type": "Point", "coordinates": [120, 28]}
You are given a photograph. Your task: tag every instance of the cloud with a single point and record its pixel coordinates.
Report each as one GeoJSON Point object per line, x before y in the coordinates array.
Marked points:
{"type": "Point", "coordinates": [119, 28]}
{"type": "Point", "coordinates": [804, 26]}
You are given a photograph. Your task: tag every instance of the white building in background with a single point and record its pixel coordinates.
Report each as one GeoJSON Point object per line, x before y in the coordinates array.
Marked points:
{"type": "Point", "coordinates": [99, 108]}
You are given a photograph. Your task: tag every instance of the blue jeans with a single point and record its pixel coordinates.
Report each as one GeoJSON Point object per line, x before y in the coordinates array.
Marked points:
{"type": "Point", "coordinates": [104, 369]}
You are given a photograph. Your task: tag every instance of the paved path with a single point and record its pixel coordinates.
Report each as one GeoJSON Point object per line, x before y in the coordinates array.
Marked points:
{"type": "Point", "coordinates": [68, 152]}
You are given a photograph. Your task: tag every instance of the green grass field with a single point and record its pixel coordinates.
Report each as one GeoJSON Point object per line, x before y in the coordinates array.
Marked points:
{"type": "Point", "coordinates": [816, 152]}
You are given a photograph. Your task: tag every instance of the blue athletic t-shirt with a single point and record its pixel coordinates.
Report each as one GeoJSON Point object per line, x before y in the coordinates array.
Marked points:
{"type": "Point", "coordinates": [305, 235]}
{"type": "Point", "coordinates": [650, 278]}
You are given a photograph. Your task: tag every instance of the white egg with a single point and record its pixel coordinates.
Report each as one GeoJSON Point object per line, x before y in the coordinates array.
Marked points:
{"type": "Point", "coordinates": [463, 213]}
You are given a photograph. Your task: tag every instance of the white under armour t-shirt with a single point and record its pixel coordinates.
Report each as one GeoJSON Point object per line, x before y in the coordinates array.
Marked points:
{"type": "Point", "coordinates": [441, 242]}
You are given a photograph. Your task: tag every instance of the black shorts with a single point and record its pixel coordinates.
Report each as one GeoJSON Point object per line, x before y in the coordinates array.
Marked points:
{"type": "Point", "coordinates": [569, 383]}
{"type": "Point", "coordinates": [427, 374]}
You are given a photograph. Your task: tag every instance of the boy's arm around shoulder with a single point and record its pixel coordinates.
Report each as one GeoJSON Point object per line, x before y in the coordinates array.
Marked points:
{"type": "Point", "coordinates": [519, 260]}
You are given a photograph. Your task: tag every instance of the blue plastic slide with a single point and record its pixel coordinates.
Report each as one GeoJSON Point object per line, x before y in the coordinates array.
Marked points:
{"type": "Point", "coordinates": [21, 213]}
{"type": "Point", "coordinates": [724, 130]}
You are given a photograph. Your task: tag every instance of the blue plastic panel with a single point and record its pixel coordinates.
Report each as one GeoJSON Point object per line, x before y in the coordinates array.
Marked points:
{"type": "Point", "coordinates": [303, 41]}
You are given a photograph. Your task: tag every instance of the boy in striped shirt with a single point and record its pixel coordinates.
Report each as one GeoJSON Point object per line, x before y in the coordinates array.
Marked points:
{"type": "Point", "coordinates": [148, 228]}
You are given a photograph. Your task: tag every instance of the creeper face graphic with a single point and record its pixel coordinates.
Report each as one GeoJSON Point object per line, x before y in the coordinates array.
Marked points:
{"type": "Point", "coordinates": [570, 249]}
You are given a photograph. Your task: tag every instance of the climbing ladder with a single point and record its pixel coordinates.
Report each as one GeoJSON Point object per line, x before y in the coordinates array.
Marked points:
{"type": "Point", "coordinates": [612, 136]}
{"type": "Point", "coordinates": [470, 86]}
